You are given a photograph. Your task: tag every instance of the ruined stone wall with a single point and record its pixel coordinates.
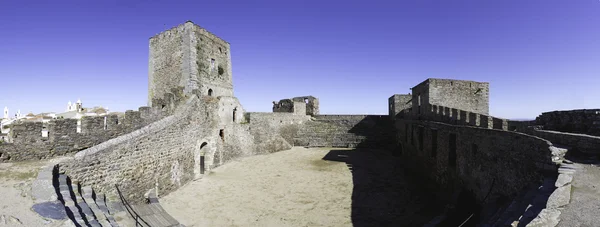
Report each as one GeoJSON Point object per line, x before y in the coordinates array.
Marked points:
{"type": "Point", "coordinates": [373, 131]}
{"type": "Point", "coordinates": [63, 138]}
{"type": "Point", "coordinates": [454, 158]}
{"type": "Point", "coordinates": [575, 121]}
{"type": "Point", "coordinates": [312, 104]}
{"type": "Point", "coordinates": [283, 106]}
{"type": "Point", "coordinates": [466, 95]}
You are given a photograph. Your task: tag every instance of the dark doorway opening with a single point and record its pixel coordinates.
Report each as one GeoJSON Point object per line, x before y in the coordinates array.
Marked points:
{"type": "Point", "coordinates": [234, 112]}
{"type": "Point", "coordinates": [210, 92]}
{"type": "Point", "coordinates": [452, 155]}
{"type": "Point", "coordinates": [222, 134]}
{"type": "Point", "coordinates": [202, 167]}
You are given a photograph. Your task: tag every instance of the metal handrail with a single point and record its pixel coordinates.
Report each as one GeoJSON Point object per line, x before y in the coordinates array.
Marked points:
{"type": "Point", "coordinates": [130, 210]}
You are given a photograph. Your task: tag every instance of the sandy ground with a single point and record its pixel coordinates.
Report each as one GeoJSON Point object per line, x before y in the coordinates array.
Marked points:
{"type": "Point", "coordinates": [15, 194]}
{"type": "Point", "coordinates": [15, 191]}
{"type": "Point", "coordinates": [585, 203]}
{"type": "Point", "coordinates": [289, 188]}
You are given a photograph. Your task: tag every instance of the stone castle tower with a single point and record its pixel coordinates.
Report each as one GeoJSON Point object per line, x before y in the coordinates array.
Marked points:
{"type": "Point", "coordinates": [190, 58]}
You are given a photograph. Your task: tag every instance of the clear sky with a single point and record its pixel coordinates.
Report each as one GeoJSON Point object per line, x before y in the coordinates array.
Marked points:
{"type": "Point", "coordinates": [538, 55]}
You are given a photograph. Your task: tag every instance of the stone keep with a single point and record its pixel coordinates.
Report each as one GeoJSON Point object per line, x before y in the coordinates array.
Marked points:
{"type": "Point", "coordinates": [465, 95]}
{"type": "Point", "coordinates": [188, 58]}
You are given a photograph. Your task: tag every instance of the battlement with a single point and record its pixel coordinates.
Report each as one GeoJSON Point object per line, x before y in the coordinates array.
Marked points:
{"type": "Point", "coordinates": [62, 136]}
{"type": "Point", "coordinates": [209, 34]}
{"type": "Point", "coordinates": [460, 117]}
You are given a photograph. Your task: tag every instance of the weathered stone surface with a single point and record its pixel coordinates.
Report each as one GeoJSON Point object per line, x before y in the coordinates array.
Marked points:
{"type": "Point", "coordinates": [42, 189]}
{"type": "Point", "coordinates": [575, 121]}
{"type": "Point", "coordinates": [560, 197]}
{"type": "Point", "coordinates": [563, 179]}
{"type": "Point", "coordinates": [546, 218]}
{"type": "Point", "coordinates": [52, 209]}
{"type": "Point", "coordinates": [273, 145]}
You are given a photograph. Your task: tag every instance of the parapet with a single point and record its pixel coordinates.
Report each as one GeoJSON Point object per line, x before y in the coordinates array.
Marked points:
{"type": "Point", "coordinates": [461, 117]}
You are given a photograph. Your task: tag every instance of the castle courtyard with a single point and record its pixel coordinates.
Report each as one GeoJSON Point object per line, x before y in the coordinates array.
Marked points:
{"type": "Point", "coordinates": [297, 188]}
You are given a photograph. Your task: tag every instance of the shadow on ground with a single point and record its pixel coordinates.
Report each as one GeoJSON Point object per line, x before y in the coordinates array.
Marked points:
{"type": "Point", "coordinates": [383, 194]}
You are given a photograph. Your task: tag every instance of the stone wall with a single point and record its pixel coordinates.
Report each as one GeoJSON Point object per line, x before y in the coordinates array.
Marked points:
{"type": "Point", "coordinates": [266, 126]}
{"type": "Point", "coordinates": [374, 131]}
{"type": "Point", "coordinates": [452, 158]}
{"type": "Point", "coordinates": [575, 121]}
{"type": "Point", "coordinates": [166, 154]}
{"type": "Point", "coordinates": [312, 104]}
{"type": "Point", "coordinates": [397, 103]}
{"type": "Point", "coordinates": [28, 143]}
{"type": "Point", "coordinates": [583, 143]}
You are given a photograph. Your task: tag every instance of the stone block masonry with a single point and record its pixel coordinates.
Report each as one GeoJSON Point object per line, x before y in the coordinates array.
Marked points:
{"type": "Point", "coordinates": [374, 131]}
{"type": "Point", "coordinates": [469, 158]}
{"type": "Point", "coordinates": [191, 58]}
{"type": "Point", "coordinates": [163, 155]}
{"type": "Point", "coordinates": [28, 142]}
{"type": "Point", "coordinates": [574, 121]}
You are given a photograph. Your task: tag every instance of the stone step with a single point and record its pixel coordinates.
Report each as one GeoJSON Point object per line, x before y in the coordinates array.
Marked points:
{"type": "Point", "coordinates": [88, 196]}
{"type": "Point", "coordinates": [101, 203]}
{"type": "Point", "coordinates": [84, 208]}
{"type": "Point", "coordinates": [69, 200]}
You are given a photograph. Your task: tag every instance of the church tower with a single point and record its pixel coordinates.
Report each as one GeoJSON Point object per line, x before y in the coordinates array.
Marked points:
{"type": "Point", "coordinates": [79, 105]}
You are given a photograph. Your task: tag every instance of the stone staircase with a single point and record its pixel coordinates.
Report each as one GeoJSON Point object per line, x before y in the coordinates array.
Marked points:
{"type": "Point", "coordinates": [60, 198]}
{"type": "Point", "coordinates": [82, 205]}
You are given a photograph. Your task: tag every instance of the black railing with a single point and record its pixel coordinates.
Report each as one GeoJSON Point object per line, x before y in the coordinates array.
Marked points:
{"type": "Point", "coordinates": [138, 219]}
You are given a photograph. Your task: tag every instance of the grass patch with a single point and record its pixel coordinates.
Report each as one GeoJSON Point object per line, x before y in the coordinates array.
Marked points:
{"type": "Point", "coordinates": [323, 165]}
{"type": "Point", "coordinates": [18, 175]}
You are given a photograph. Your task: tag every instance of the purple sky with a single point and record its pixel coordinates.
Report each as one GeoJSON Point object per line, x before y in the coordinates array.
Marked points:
{"type": "Point", "coordinates": [537, 55]}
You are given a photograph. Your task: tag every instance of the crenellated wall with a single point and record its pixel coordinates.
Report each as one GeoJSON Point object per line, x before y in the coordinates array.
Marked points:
{"type": "Point", "coordinates": [28, 143]}
{"type": "Point", "coordinates": [460, 117]}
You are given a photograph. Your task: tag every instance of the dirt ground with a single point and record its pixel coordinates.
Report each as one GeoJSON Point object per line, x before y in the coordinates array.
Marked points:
{"type": "Point", "coordinates": [298, 187]}
{"type": "Point", "coordinates": [15, 191]}
{"type": "Point", "coordinates": [289, 188]}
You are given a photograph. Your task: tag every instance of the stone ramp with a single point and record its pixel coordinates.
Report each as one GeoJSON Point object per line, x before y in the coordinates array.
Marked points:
{"type": "Point", "coordinates": [155, 215]}
{"type": "Point", "coordinates": [59, 197]}
{"type": "Point", "coordinates": [150, 214]}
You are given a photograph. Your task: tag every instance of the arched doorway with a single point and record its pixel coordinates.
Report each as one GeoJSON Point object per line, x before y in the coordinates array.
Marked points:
{"type": "Point", "coordinates": [202, 158]}
{"type": "Point", "coordinates": [210, 92]}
